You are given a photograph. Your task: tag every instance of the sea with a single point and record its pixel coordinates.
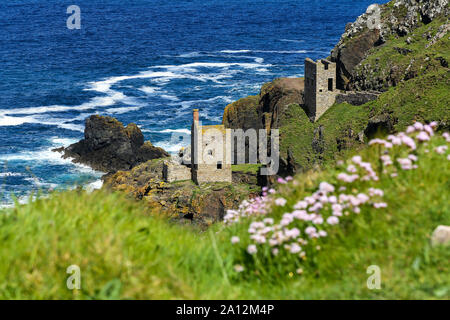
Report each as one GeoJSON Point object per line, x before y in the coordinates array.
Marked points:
{"type": "Point", "coordinates": [144, 61]}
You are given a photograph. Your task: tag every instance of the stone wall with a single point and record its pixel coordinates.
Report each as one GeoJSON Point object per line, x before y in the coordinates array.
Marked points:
{"type": "Point", "coordinates": [310, 87]}
{"type": "Point", "coordinates": [175, 172]}
{"type": "Point", "coordinates": [207, 173]}
{"type": "Point", "coordinates": [357, 98]}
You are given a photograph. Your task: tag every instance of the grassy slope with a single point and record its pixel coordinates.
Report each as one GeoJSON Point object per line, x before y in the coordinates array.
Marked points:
{"type": "Point", "coordinates": [125, 253]}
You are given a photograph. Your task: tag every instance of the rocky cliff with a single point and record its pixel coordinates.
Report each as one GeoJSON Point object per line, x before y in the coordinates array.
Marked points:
{"type": "Point", "coordinates": [396, 20]}
{"type": "Point", "coordinates": [108, 146]}
{"type": "Point", "coordinates": [405, 55]}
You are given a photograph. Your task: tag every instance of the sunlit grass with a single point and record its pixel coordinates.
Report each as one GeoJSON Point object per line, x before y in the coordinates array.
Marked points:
{"type": "Point", "coordinates": [126, 252]}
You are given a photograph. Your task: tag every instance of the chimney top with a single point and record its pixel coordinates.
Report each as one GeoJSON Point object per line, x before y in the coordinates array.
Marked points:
{"type": "Point", "coordinates": [195, 115]}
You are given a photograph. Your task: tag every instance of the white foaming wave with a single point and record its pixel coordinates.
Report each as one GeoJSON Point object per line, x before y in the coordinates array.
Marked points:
{"type": "Point", "coordinates": [185, 131]}
{"type": "Point", "coordinates": [44, 155]}
{"type": "Point", "coordinates": [9, 174]}
{"type": "Point", "coordinates": [228, 54]}
{"type": "Point", "coordinates": [96, 185]}
{"type": "Point", "coordinates": [189, 104]}
{"type": "Point", "coordinates": [171, 147]}
{"type": "Point", "coordinates": [39, 183]}
{"type": "Point", "coordinates": [283, 51]}
{"type": "Point", "coordinates": [289, 40]}
{"type": "Point", "coordinates": [94, 102]}
{"type": "Point", "coordinates": [62, 141]}
{"type": "Point", "coordinates": [235, 51]}
{"type": "Point", "coordinates": [190, 55]}
{"type": "Point", "coordinates": [15, 121]}
{"type": "Point", "coordinates": [149, 90]}
{"type": "Point", "coordinates": [265, 51]}
{"type": "Point", "coordinates": [122, 110]}
{"type": "Point", "coordinates": [170, 97]}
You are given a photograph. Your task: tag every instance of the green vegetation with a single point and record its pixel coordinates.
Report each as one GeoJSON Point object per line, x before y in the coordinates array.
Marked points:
{"type": "Point", "coordinates": [398, 60]}
{"type": "Point", "coordinates": [124, 251]}
{"type": "Point", "coordinates": [246, 168]}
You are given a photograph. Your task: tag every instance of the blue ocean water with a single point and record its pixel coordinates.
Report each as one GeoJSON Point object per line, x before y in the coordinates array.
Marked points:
{"type": "Point", "coordinates": [143, 61]}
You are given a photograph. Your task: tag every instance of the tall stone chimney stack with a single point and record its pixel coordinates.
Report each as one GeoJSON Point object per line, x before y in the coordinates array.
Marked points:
{"type": "Point", "coordinates": [195, 115]}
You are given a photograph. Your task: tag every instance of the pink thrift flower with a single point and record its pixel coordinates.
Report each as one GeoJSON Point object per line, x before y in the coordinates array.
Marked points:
{"type": "Point", "coordinates": [418, 126]}
{"type": "Point", "coordinates": [433, 124]}
{"type": "Point", "coordinates": [410, 129]}
{"type": "Point", "coordinates": [238, 268]}
{"type": "Point", "coordinates": [326, 187]}
{"type": "Point", "coordinates": [310, 230]}
{"type": "Point", "coordinates": [441, 149]}
{"type": "Point", "coordinates": [301, 205]}
{"type": "Point", "coordinates": [423, 136]}
{"type": "Point", "coordinates": [380, 205]}
{"type": "Point", "coordinates": [409, 142]}
{"type": "Point", "coordinates": [281, 180]}
{"type": "Point", "coordinates": [322, 233]}
{"type": "Point", "coordinates": [295, 248]}
{"type": "Point", "coordinates": [235, 240]}
{"type": "Point", "coordinates": [429, 130]}
{"type": "Point", "coordinates": [318, 220]}
{"type": "Point", "coordinates": [357, 159]}
{"type": "Point", "coordinates": [252, 249]}
{"type": "Point", "coordinates": [332, 220]}
{"type": "Point", "coordinates": [280, 202]}
{"type": "Point", "coordinates": [363, 198]}
{"type": "Point", "coordinates": [446, 136]}
{"type": "Point", "coordinates": [275, 251]}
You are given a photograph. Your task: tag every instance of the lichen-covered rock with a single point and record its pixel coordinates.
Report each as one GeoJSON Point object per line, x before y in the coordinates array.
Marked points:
{"type": "Point", "coordinates": [108, 146]}
{"type": "Point", "coordinates": [182, 200]}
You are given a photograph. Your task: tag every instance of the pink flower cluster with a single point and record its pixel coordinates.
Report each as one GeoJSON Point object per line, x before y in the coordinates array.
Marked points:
{"type": "Point", "coordinates": [313, 216]}
{"type": "Point", "coordinates": [254, 207]}
{"type": "Point", "coordinates": [364, 170]}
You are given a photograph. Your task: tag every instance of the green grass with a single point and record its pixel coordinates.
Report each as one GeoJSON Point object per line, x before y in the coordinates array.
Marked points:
{"type": "Point", "coordinates": [420, 60]}
{"type": "Point", "coordinates": [246, 168]}
{"type": "Point", "coordinates": [125, 252]}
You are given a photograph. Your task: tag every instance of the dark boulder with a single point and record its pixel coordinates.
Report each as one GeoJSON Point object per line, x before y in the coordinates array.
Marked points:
{"type": "Point", "coordinates": [108, 146]}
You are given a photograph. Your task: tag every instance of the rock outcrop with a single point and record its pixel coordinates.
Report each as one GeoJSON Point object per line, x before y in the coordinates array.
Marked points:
{"type": "Point", "coordinates": [380, 22]}
{"type": "Point", "coordinates": [108, 146]}
{"type": "Point", "coordinates": [183, 201]}
{"type": "Point", "coordinates": [261, 111]}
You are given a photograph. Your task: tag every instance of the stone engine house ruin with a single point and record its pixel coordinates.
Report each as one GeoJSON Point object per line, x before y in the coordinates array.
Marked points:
{"type": "Point", "coordinates": [210, 157]}
{"type": "Point", "coordinates": [320, 86]}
